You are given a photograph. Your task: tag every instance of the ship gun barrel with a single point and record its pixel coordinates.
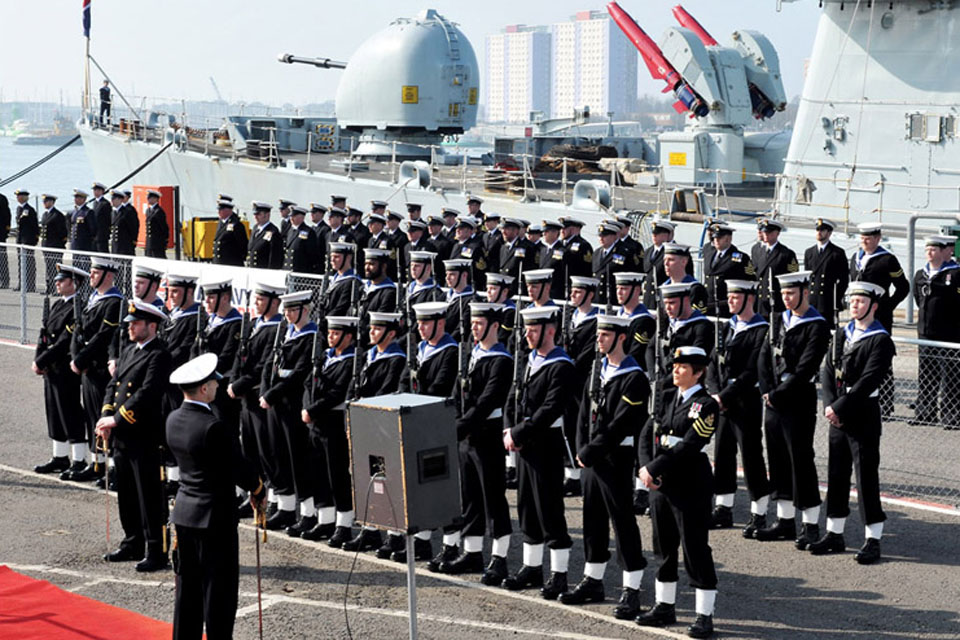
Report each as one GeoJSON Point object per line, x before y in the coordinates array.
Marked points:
{"type": "Point", "coordinates": [323, 63]}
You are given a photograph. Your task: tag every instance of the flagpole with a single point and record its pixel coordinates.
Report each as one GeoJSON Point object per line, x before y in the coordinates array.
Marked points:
{"type": "Point", "coordinates": [86, 78]}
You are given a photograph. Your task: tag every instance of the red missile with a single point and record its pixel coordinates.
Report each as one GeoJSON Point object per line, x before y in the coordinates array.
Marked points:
{"type": "Point", "coordinates": [688, 21]}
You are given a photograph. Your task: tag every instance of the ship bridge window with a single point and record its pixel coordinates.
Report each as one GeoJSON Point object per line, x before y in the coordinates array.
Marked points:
{"type": "Point", "coordinates": [929, 127]}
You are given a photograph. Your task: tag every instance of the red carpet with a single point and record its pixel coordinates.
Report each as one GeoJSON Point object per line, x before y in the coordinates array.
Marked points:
{"type": "Point", "coordinates": [35, 609]}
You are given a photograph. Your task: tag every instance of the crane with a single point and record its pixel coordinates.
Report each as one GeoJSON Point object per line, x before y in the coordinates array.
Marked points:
{"type": "Point", "coordinates": [216, 90]}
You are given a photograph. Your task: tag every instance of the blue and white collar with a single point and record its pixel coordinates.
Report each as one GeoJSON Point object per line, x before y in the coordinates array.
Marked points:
{"type": "Point", "coordinates": [271, 322]}
{"type": "Point", "coordinates": [609, 372]}
{"type": "Point", "coordinates": [416, 287]}
{"type": "Point", "coordinates": [180, 312]}
{"type": "Point", "coordinates": [579, 318]}
{"type": "Point", "coordinates": [369, 287]}
{"type": "Point", "coordinates": [863, 257]}
{"type": "Point", "coordinates": [96, 296]}
{"type": "Point", "coordinates": [535, 361]}
{"type": "Point", "coordinates": [293, 333]}
{"type": "Point", "coordinates": [686, 278]}
{"type": "Point", "coordinates": [639, 310]}
{"type": "Point", "coordinates": [946, 266]}
{"type": "Point", "coordinates": [340, 277]}
{"type": "Point", "coordinates": [332, 358]}
{"type": "Point", "coordinates": [213, 320]}
{"type": "Point", "coordinates": [739, 325]}
{"type": "Point", "coordinates": [854, 335]}
{"type": "Point", "coordinates": [790, 321]}
{"type": "Point", "coordinates": [696, 316]}
{"type": "Point", "coordinates": [496, 350]}
{"type": "Point", "coordinates": [425, 350]}
{"type": "Point", "coordinates": [393, 351]}
{"type": "Point", "coordinates": [456, 295]}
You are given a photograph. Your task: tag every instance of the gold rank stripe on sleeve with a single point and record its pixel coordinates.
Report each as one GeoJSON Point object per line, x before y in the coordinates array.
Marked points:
{"type": "Point", "coordinates": [110, 324]}
{"type": "Point", "coordinates": [127, 415]}
{"type": "Point", "coordinates": [793, 267]}
{"type": "Point", "coordinates": [108, 407]}
{"type": "Point", "coordinates": [750, 270]}
{"type": "Point", "coordinates": [704, 426]}
{"type": "Point", "coordinates": [642, 338]}
{"type": "Point", "coordinates": [69, 328]}
{"type": "Point", "coordinates": [896, 274]}
{"type": "Point", "coordinates": [631, 402]}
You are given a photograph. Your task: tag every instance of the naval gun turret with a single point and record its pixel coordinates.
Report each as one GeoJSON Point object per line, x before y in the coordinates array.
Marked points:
{"type": "Point", "coordinates": [323, 63]}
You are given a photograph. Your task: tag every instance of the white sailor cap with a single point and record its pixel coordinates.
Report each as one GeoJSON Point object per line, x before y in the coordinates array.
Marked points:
{"type": "Point", "coordinates": [511, 222]}
{"type": "Point", "coordinates": [382, 319]}
{"type": "Point", "coordinates": [940, 241]}
{"type": "Point", "coordinates": [376, 217]}
{"type": "Point", "coordinates": [538, 275]}
{"type": "Point", "coordinates": [297, 210]}
{"type": "Point", "coordinates": [317, 208]}
{"type": "Point", "coordinates": [343, 323]}
{"type": "Point", "coordinates": [491, 216]}
{"type": "Point", "coordinates": [535, 228]}
{"type": "Point", "coordinates": [607, 227]}
{"type": "Point", "coordinates": [378, 204]}
{"type": "Point", "coordinates": [457, 264]}
{"type": "Point", "coordinates": [269, 290]}
{"type": "Point", "coordinates": [447, 211]}
{"type": "Point", "coordinates": [824, 223]}
{"type": "Point", "coordinates": [211, 284]}
{"type": "Point", "coordinates": [116, 193]}
{"type": "Point", "coordinates": [794, 280]}
{"type": "Point", "coordinates": [769, 224]}
{"type": "Point", "coordinates": [260, 205]}
{"type": "Point", "coordinates": [143, 271]}
{"type": "Point", "coordinates": [375, 254]}
{"type": "Point", "coordinates": [584, 282]}
{"type": "Point", "coordinates": [194, 373]}
{"type": "Point", "coordinates": [140, 310]}
{"type": "Point", "coordinates": [284, 203]}
{"type": "Point", "coordinates": [48, 196]}
{"type": "Point", "coordinates": [488, 310]}
{"type": "Point", "coordinates": [870, 228]}
{"type": "Point", "coordinates": [467, 221]}
{"type": "Point", "coordinates": [180, 280]}
{"type": "Point", "coordinates": [624, 219]}
{"type": "Point", "coordinates": [476, 199]}
{"type": "Point", "coordinates": [414, 206]}
{"type": "Point", "coordinates": [540, 315]}
{"type": "Point", "coordinates": [613, 322]}
{"type": "Point", "coordinates": [423, 256]}
{"type": "Point", "coordinates": [690, 355]}
{"type": "Point", "coordinates": [430, 310]}
{"type": "Point", "coordinates": [224, 204]}
{"type": "Point", "coordinates": [675, 249]}
{"type": "Point", "coordinates": [104, 264]}
{"type": "Point", "coordinates": [570, 221]}
{"type": "Point", "coordinates": [223, 196]}
{"type": "Point", "coordinates": [81, 193]}
{"type": "Point", "coordinates": [21, 192]}
{"type": "Point", "coordinates": [416, 225]}
{"type": "Point", "coordinates": [69, 271]}
{"type": "Point", "coordinates": [393, 215]}
{"type": "Point", "coordinates": [742, 286]}
{"type": "Point", "coordinates": [677, 290]}
{"type": "Point", "coordinates": [551, 224]}
{"type": "Point", "coordinates": [153, 193]}
{"type": "Point", "coordinates": [336, 211]}
{"type": "Point", "coordinates": [296, 299]}
{"type": "Point", "coordinates": [99, 185]}
{"type": "Point", "coordinates": [659, 226]}
{"type": "Point", "coordinates": [867, 289]}
{"type": "Point", "coordinates": [629, 277]}
{"type": "Point", "coordinates": [500, 279]}
{"type": "Point", "coordinates": [342, 247]}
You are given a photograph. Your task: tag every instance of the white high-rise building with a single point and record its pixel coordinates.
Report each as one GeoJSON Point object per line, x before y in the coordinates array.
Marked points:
{"type": "Point", "coordinates": [594, 64]}
{"type": "Point", "coordinates": [517, 73]}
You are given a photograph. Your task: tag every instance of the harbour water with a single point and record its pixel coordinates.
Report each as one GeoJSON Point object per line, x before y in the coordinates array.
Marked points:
{"type": "Point", "coordinates": [68, 170]}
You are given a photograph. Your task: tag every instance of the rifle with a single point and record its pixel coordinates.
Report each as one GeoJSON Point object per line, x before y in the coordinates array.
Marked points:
{"type": "Point", "coordinates": [324, 288]}
{"type": "Point", "coordinates": [838, 344]}
{"type": "Point", "coordinates": [315, 366]}
{"type": "Point", "coordinates": [657, 364]}
{"type": "Point", "coordinates": [245, 329]}
{"type": "Point", "coordinates": [463, 360]}
{"type": "Point", "coordinates": [357, 372]}
{"type": "Point", "coordinates": [411, 357]}
{"type": "Point", "coordinates": [201, 339]}
{"type": "Point", "coordinates": [518, 369]}
{"type": "Point", "coordinates": [78, 309]}
{"type": "Point", "coordinates": [564, 321]}
{"type": "Point", "coordinates": [44, 320]}
{"type": "Point", "coordinates": [275, 366]}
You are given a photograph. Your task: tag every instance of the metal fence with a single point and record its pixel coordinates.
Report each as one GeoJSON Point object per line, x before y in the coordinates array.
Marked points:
{"type": "Point", "coordinates": [919, 449]}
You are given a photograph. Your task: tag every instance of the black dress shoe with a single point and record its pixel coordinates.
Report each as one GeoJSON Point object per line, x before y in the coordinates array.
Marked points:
{"type": "Point", "coordinates": [272, 508]}
{"type": "Point", "coordinates": [76, 467]}
{"type": "Point", "coordinates": [245, 511]}
{"type": "Point", "coordinates": [629, 605]}
{"type": "Point", "coordinates": [830, 543]}
{"type": "Point", "coordinates": [556, 585]}
{"type": "Point", "coordinates": [869, 552]}
{"type": "Point", "coordinates": [366, 540]}
{"type": "Point", "coordinates": [123, 554]}
{"type": "Point", "coordinates": [448, 553]}
{"type": "Point", "coordinates": [466, 563]}
{"type": "Point", "coordinates": [809, 533]}
{"type": "Point", "coordinates": [304, 524]}
{"type": "Point", "coordinates": [660, 616]}
{"type": "Point", "coordinates": [89, 473]}
{"type": "Point", "coordinates": [110, 476]}
{"type": "Point", "coordinates": [721, 518]}
{"type": "Point", "coordinates": [53, 465]}
{"type": "Point", "coordinates": [572, 487]}
{"type": "Point", "coordinates": [340, 536]}
{"type": "Point", "coordinates": [526, 578]}
{"type": "Point", "coordinates": [588, 590]}
{"type": "Point", "coordinates": [782, 529]}
{"type": "Point", "coordinates": [319, 532]}
{"type": "Point", "coordinates": [510, 480]}
{"type": "Point", "coordinates": [422, 551]}
{"type": "Point", "coordinates": [153, 563]}
{"type": "Point", "coordinates": [281, 520]}
{"type": "Point", "coordinates": [756, 523]}
{"type": "Point", "coordinates": [392, 543]}
{"type": "Point", "coordinates": [495, 572]}
{"type": "Point", "coordinates": [641, 502]}
{"type": "Point", "coordinates": [702, 627]}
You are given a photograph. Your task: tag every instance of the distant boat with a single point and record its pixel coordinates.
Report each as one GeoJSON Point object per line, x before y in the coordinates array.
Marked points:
{"type": "Point", "coordinates": [63, 130]}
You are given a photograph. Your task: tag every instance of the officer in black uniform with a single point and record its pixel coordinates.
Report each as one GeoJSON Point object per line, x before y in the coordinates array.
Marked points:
{"type": "Point", "coordinates": [851, 387]}
{"type": "Point", "coordinates": [414, 210]}
{"type": "Point", "coordinates": [380, 239]}
{"type": "Point", "coordinates": [284, 206]}
{"type": "Point", "coordinates": [677, 471]}
{"type": "Point", "coordinates": [436, 235]}
{"type": "Point", "coordinates": [265, 248]}
{"type": "Point", "coordinates": [936, 291]}
{"type": "Point", "coordinates": [28, 234]}
{"type": "Point", "coordinates": [54, 232]}
{"type": "Point", "coordinates": [789, 364]}
{"type": "Point", "coordinates": [221, 335]}
{"type": "Point", "coordinates": [459, 293]}
{"type": "Point", "coordinates": [676, 266]}
{"type": "Point", "coordinates": [61, 386]}
{"type": "Point", "coordinates": [579, 251]}
{"type": "Point", "coordinates": [628, 244]}
{"type": "Point", "coordinates": [83, 228]}
{"type": "Point", "coordinates": [732, 381]}
{"type": "Point", "coordinates": [324, 402]}
{"type": "Point", "coordinates": [400, 241]}
{"type": "Point", "coordinates": [469, 246]}
{"type": "Point", "coordinates": [553, 256]}
{"type": "Point", "coordinates": [608, 259]}
{"type": "Point", "coordinates": [612, 409]}
{"type": "Point", "coordinates": [450, 217]}
{"type": "Point", "coordinates": [773, 259]}
{"type": "Point", "coordinates": [828, 262]}
{"type": "Point", "coordinates": [662, 233]}
{"type": "Point", "coordinates": [722, 261]}
{"type": "Point", "coordinates": [157, 227]}
{"type": "Point", "coordinates": [101, 208]}
{"type": "Point", "coordinates": [132, 420]}
{"type": "Point", "coordinates": [498, 292]}
{"type": "Point", "coordinates": [379, 291]}
{"type": "Point", "coordinates": [105, 102]}
{"type": "Point", "coordinates": [337, 230]}
{"type": "Point", "coordinates": [230, 240]}
{"type": "Point", "coordinates": [124, 227]}
{"type": "Point", "coordinates": [361, 235]}
{"type": "Point", "coordinates": [516, 252]}
{"type": "Point", "coordinates": [343, 294]}
{"type": "Point", "coordinates": [300, 244]}
{"type": "Point", "coordinates": [204, 515]}
{"type": "Point", "coordinates": [321, 231]}
{"type": "Point", "coordinates": [417, 240]}
{"type": "Point", "coordinates": [492, 240]}
{"type": "Point", "coordinates": [538, 439]}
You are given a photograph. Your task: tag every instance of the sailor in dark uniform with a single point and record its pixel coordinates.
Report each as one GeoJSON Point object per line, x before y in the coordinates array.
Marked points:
{"type": "Point", "coordinates": [578, 251]}
{"type": "Point", "coordinates": [936, 291]}
{"type": "Point", "coordinates": [643, 324]}
{"type": "Point", "coordinates": [732, 381]}
{"type": "Point", "coordinates": [773, 259]}
{"type": "Point", "coordinates": [789, 365]}
{"type": "Point", "coordinates": [676, 263]}
{"type": "Point", "coordinates": [321, 231]}
{"type": "Point", "coordinates": [284, 207]}
{"type": "Point", "coordinates": [516, 252]}
{"type": "Point", "coordinates": [361, 235]}
{"type": "Point", "coordinates": [436, 235]}
{"type": "Point", "coordinates": [538, 439]}
{"type": "Point", "coordinates": [608, 259]}
{"type": "Point", "coordinates": [492, 240]}
{"type": "Point", "coordinates": [450, 217]}
{"type": "Point", "coordinates": [300, 244]}
{"type": "Point", "coordinates": [337, 231]}
{"type": "Point", "coordinates": [28, 234]}
{"type": "Point", "coordinates": [613, 408]}
{"type": "Point", "coordinates": [553, 256]}
{"type": "Point", "coordinates": [99, 323]}
{"type": "Point", "coordinates": [414, 210]}
{"type": "Point", "coordinates": [204, 515]}
{"type": "Point", "coordinates": [458, 294]}
{"type": "Point", "coordinates": [498, 292]}
{"type": "Point", "coordinates": [722, 261]}
{"type": "Point", "coordinates": [468, 246]}
{"type": "Point", "coordinates": [677, 471]}
{"type": "Point", "coordinates": [343, 294]}
{"type": "Point", "coordinates": [379, 291]}
{"type": "Point", "coordinates": [480, 432]}
{"type": "Point", "coordinates": [54, 232]}
{"type": "Point", "coordinates": [281, 395]}
{"type": "Point", "coordinates": [400, 241]}
{"type": "Point", "coordinates": [61, 386]}
{"type": "Point", "coordinates": [265, 247]}
{"type": "Point", "coordinates": [101, 209]}
{"type": "Point", "coordinates": [851, 388]}
{"type": "Point", "coordinates": [686, 327]}
{"type": "Point", "coordinates": [325, 394]}
{"type": "Point", "coordinates": [417, 240]}
{"type": "Point", "coordinates": [124, 226]}
{"type": "Point", "coordinates": [83, 228]}
{"type": "Point", "coordinates": [380, 374]}
{"type": "Point", "coordinates": [230, 240]}
{"type": "Point", "coordinates": [221, 335]}
{"type": "Point", "coordinates": [828, 262]}
{"type": "Point", "coordinates": [662, 232]}
{"type": "Point", "coordinates": [422, 288]}
{"type": "Point", "coordinates": [631, 246]}
{"type": "Point", "coordinates": [146, 286]}
{"type": "Point", "coordinates": [157, 227]}
{"type": "Point", "coordinates": [132, 420]}
{"type": "Point", "coordinates": [105, 103]}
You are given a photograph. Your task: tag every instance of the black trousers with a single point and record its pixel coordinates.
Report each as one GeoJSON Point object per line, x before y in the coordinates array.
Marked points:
{"type": "Point", "coordinates": [61, 395]}
{"type": "Point", "coordinates": [540, 491]}
{"type": "Point", "coordinates": [93, 388]}
{"type": "Point", "coordinates": [28, 276]}
{"type": "Point", "coordinates": [227, 408]}
{"type": "Point", "coordinates": [5, 265]}
{"type": "Point", "coordinates": [483, 491]}
{"type": "Point", "coordinates": [789, 432]}
{"type": "Point", "coordinates": [741, 425]}
{"type": "Point", "coordinates": [330, 441]}
{"type": "Point", "coordinates": [300, 453]}
{"type": "Point", "coordinates": [207, 583]}
{"type": "Point", "coordinates": [274, 455]}
{"type": "Point", "coordinates": [608, 496]}
{"type": "Point", "coordinates": [140, 498]}
{"type": "Point", "coordinates": [570, 417]}
{"type": "Point", "coordinates": [688, 527]}
{"type": "Point", "coordinates": [252, 419]}
{"type": "Point", "coordinates": [104, 110]}
{"type": "Point", "coordinates": [856, 447]}
{"type": "Point", "coordinates": [938, 395]}
{"type": "Point", "coordinates": [50, 260]}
